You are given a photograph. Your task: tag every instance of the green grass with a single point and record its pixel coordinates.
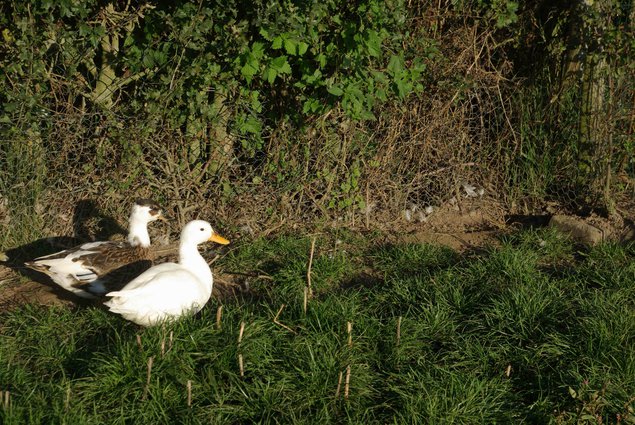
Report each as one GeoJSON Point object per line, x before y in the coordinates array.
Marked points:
{"type": "Point", "coordinates": [533, 331]}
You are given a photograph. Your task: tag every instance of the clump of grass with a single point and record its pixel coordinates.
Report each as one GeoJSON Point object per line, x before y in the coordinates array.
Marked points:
{"type": "Point", "coordinates": [433, 337]}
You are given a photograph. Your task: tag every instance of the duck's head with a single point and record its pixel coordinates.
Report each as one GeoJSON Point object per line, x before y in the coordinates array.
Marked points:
{"type": "Point", "coordinates": [199, 231]}
{"type": "Point", "coordinates": [146, 211]}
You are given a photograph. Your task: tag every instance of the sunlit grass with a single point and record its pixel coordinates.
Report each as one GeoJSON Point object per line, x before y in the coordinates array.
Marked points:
{"type": "Point", "coordinates": [533, 331]}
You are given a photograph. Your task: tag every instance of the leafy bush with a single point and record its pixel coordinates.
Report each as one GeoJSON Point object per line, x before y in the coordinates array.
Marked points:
{"type": "Point", "coordinates": [315, 108]}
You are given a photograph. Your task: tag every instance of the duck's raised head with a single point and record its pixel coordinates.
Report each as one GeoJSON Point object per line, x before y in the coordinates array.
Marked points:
{"type": "Point", "coordinates": [146, 210]}
{"type": "Point", "coordinates": [199, 231]}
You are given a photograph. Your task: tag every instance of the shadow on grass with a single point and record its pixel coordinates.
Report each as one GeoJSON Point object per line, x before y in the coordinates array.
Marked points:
{"type": "Point", "coordinates": [85, 211]}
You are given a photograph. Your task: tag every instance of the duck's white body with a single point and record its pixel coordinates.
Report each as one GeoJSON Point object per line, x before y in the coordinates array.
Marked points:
{"type": "Point", "coordinates": [170, 290]}
{"type": "Point", "coordinates": [79, 269]}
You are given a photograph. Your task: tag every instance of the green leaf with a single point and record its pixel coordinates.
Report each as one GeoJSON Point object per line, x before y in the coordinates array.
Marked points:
{"type": "Point", "coordinates": [380, 77]}
{"type": "Point", "coordinates": [277, 43]}
{"type": "Point", "coordinates": [281, 65]}
{"type": "Point", "coordinates": [573, 393]}
{"type": "Point", "coordinates": [395, 66]}
{"type": "Point", "coordinates": [403, 88]}
{"type": "Point", "coordinates": [129, 41]}
{"type": "Point", "coordinates": [291, 46]}
{"type": "Point", "coordinates": [373, 43]}
{"type": "Point", "coordinates": [335, 90]}
{"type": "Point", "coordinates": [270, 75]}
{"type": "Point", "coordinates": [249, 69]}
{"type": "Point", "coordinates": [321, 59]}
{"type": "Point", "coordinates": [310, 105]}
{"type": "Point", "coordinates": [302, 48]}
{"type": "Point", "coordinates": [148, 61]}
{"type": "Point", "coordinates": [10, 106]}
{"type": "Point", "coordinates": [251, 125]}
{"type": "Point", "coordinates": [159, 57]}
{"type": "Point", "coordinates": [84, 29]}
{"type": "Point", "coordinates": [314, 78]}
{"type": "Point", "coordinates": [265, 34]}
{"type": "Point", "coordinates": [258, 50]}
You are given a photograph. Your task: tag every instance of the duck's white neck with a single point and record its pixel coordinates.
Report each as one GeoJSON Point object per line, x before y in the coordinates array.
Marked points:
{"type": "Point", "coordinates": [190, 258]}
{"type": "Point", "coordinates": [138, 232]}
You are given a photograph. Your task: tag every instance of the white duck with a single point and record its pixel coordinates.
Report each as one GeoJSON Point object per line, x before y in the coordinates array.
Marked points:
{"type": "Point", "coordinates": [85, 269]}
{"type": "Point", "coordinates": [170, 290]}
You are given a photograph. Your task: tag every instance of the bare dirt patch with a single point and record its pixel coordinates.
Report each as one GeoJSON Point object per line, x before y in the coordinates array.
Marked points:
{"type": "Point", "coordinates": [15, 291]}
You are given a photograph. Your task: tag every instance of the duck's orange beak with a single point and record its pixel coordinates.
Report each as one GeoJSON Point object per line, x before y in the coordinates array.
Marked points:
{"type": "Point", "coordinates": [218, 239]}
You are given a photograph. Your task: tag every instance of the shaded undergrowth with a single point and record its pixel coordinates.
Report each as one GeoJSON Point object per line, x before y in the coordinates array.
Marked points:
{"type": "Point", "coordinates": [532, 331]}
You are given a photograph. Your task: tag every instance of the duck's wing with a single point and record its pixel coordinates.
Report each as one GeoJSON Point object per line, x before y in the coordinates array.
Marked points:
{"type": "Point", "coordinates": [149, 276]}
{"type": "Point", "coordinates": [166, 289]}
{"type": "Point", "coordinates": [102, 260]}
{"type": "Point", "coordinates": [76, 268]}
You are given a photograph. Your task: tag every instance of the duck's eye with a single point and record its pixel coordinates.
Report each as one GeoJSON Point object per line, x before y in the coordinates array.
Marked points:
{"type": "Point", "coordinates": [202, 229]}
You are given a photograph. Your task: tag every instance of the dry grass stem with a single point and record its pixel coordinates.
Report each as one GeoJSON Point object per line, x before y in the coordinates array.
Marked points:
{"type": "Point", "coordinates": [240, 332]}
{"type": "Point", "coordinates": [347, 382]}
{"type": "Point", "coordinates": [139, 342]}
{"type": "Point", "coordinates": [171, 339]}
{"type": "Point", "coordinates": [305, 302]}
{"type": "Point", "coordinates": [219, 316]}
{"type": "Point", "coordinates": [213, 260]}
{"type": "Point", "coordinates": [240, 355]}
{"type": "Point", "coordinates": [189, 393]}
{"type": "Point", "coordinates": [147, 387]}
{"type": "Point", "coordinates": [241, 366]}
{"type": "Point", "coordinates": [349, 329]}
{"type": "Point", "coordinates": [398, 330]}
{"type": "Point", "coordinates": [275, 320]}
{"type": "Point", "coordinates": [508, 371]}
{"type": "Point", "coordinates": [308, 269]}
{"type": "Point", "coordinates": [339, 385]}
